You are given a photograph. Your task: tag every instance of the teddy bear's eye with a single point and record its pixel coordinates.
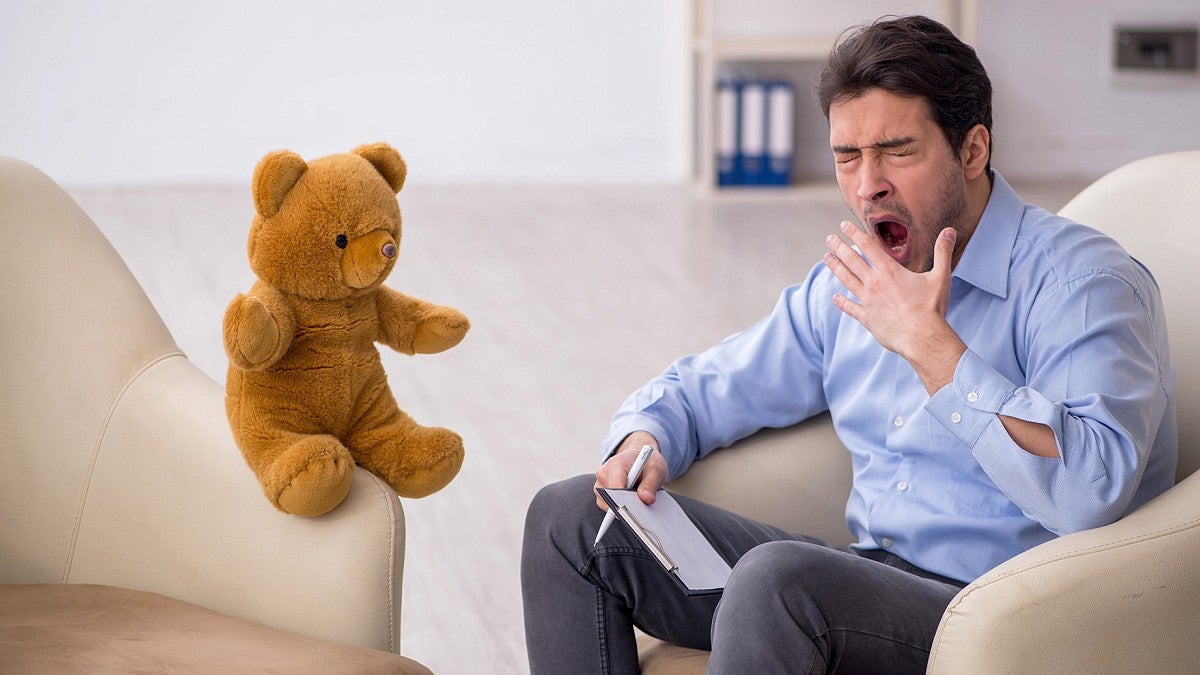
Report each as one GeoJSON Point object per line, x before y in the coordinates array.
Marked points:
{"type": "Point", "coordinates": [341, 241]}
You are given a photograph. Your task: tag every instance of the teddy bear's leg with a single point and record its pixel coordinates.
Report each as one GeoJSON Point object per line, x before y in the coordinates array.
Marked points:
{"type": "Point", "coordinates": [309, 477]}
{"type": "Point", "coordinates": [415, 460]}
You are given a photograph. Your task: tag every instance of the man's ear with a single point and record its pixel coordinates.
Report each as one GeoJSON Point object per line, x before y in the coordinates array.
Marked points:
{"type": "Point", "coordinates": [386, 161]}
{"type": "Point", "coordinates": [976, 151]}
{"type": "Point", "coordinates": [274, 177]}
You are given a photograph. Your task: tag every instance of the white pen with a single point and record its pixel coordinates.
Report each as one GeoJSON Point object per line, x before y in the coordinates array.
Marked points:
{"type": "Point", "coordinates": [635, 472]}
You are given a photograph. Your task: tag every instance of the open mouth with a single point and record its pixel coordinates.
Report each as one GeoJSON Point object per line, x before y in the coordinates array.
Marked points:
{"type": "Point", "coordinates": [894, 236]}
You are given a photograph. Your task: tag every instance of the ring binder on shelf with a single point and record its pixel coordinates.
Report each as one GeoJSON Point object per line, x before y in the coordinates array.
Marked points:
{"type": "Point", "coordinates": [752, 140]}
{"type": "Point", "coordinates": [728, 156]}
{"type": "Point", "coordinates": [754, 131]}
{"type": "Point", "coordinates": [781, 103]}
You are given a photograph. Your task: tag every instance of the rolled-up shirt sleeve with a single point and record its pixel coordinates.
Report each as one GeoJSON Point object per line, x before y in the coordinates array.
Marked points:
{"type": "Point", "coordinates": [1093, 376]}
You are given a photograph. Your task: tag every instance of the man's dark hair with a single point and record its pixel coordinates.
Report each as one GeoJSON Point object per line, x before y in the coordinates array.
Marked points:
{"type": "Point", "coordinates": [912, 56]}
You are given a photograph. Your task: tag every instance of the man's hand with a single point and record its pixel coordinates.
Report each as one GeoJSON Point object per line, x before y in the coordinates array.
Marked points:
{"type": "Point", "coordinates": [905, 311]}
{"type": "Point", "coordinates": [615, 472]}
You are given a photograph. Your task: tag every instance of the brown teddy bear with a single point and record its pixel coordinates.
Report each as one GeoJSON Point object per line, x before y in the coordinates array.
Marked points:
{"type": "Point", "coordinates": [306, 394]}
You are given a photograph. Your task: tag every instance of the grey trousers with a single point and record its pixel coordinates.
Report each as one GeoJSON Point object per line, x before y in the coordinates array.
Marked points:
{"type": "Point", "coordinates": [792, 604]}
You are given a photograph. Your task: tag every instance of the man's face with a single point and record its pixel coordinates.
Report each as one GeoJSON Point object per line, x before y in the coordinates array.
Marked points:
{"type": "Point", "coordinates": [897, 174]}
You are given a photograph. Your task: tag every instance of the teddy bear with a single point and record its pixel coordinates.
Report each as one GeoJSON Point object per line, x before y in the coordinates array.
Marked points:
{"type": "Point", "coordinates": [306, 393]}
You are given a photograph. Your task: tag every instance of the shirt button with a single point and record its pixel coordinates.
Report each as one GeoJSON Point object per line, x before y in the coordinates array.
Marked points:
{"type": "Point", "coordinates": [955, 417]}
{"type": "Point", "coordinates": [899, 421]}
{"type": "Point", "coordinates": [972, 397]}
{"type": "Point", "coordinates": [901, 486]}
{"type": "Point", "coordinates": [886, 542]}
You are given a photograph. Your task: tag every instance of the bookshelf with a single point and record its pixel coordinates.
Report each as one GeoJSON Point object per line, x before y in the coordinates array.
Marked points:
{"type": "Point", "coordinates": [783, 40]}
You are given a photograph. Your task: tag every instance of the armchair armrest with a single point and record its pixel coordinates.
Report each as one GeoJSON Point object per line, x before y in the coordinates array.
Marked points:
{"type": "Point", "coordinates": [172, 508]}
{"type": "Point", "coordinates": [1112, 599]}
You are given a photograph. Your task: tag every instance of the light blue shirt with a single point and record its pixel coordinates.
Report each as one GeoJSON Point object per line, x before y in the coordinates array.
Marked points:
{"type": "Point", "coordinates": [1062, 328]}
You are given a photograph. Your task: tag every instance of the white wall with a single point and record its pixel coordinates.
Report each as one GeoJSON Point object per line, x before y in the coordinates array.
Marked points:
{"type": "Point", "coordinates": [1060, 108]}
{"type": "Point", "coordinates": [147, 91]}
{"type": "Point", "coordinates": [814, 18]}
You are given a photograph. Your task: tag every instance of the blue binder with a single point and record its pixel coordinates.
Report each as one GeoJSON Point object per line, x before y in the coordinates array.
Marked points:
{"type": "Point", "coordinates": [780, 131]}
{"type": "Point", "coordinates": [752, 138]}
{"type": "Point", "coordinates": [726, 142]}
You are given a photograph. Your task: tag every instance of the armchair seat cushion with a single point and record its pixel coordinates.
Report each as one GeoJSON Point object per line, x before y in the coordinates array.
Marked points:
{"type": "Point", "coordinates": [660, 658]}
{"type": "Point", "coordinates": [65, 628]}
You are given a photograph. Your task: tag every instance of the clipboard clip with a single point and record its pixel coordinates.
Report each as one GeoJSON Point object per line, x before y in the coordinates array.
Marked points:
{"type": "Point", "coordinates": [651, 539]}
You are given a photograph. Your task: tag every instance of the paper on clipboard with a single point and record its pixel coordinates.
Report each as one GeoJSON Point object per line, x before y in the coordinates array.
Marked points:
{"type": "Point", "coordinates": [673, 539]}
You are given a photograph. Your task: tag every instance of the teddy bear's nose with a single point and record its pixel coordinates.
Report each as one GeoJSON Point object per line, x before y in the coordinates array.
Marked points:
{"type": "Point", "coordinates": [389, 250]}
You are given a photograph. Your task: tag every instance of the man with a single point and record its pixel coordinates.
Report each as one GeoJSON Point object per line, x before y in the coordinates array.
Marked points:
{"type": "Point", "coordinates": [999, 375]}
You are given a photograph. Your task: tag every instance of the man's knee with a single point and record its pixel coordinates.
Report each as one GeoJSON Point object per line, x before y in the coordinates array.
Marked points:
{"type": "Point", "coordinates": [561, 509]}
{"type": "Point", "coordinates": [800, 568]}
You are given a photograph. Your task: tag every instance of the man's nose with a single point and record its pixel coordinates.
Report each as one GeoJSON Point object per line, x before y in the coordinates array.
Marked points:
{"type": "Point", "coordinates": [872, 183]}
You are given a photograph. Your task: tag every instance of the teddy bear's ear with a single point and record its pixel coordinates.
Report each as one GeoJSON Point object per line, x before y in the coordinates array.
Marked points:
{"type": "Point", "coordinates": [386, 161]}
{"type": "Point", "coordinates": [274, 177]}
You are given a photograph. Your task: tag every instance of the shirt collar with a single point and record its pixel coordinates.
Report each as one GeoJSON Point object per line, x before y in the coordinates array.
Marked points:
{"type": "Point", "coordinates": [985, 262]}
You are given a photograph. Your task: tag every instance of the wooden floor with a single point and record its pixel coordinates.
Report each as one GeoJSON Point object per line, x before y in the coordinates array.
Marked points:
{"type": "Point", "coordinates": [577, 295]}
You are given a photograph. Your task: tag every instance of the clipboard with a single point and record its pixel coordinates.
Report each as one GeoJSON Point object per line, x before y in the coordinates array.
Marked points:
{"type": "Point", "coordinates": [676, 542]}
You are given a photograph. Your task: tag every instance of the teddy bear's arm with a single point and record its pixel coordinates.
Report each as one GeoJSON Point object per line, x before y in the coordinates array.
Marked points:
{"type": "Point", "coordinates": [258, 328]}
{"type": "Point", "coordinates": [413, 326]}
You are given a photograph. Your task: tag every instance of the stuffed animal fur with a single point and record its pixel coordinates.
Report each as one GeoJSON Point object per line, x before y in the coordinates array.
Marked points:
{"type": "Point", "coordinates": [306, 394]}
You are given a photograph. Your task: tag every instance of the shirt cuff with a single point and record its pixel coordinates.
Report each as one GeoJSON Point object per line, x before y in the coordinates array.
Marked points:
{"type": "Point", "coordinates": [967, 405]}
{"type": "Point", "coordinates": [637, 422]}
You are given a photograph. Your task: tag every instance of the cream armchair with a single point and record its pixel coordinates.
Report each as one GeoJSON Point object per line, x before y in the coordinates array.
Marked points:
{"type": "Point", "coordinates": [1124, 598]}
{"type": "Point", "coordinates": [131, 530]}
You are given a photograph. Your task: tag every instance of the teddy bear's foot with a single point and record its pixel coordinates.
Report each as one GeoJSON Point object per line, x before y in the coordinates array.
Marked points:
{"type": "Point", "coordinates": [423, 462]}
{"type": "Point", "coordinates": [311, 477]}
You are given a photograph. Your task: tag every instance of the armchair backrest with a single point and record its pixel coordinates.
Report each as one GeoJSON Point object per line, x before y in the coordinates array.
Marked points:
{"type": "Point", "coordinates": [77, 329]}
{"type": "Point", "coordinates": [1148, 206]}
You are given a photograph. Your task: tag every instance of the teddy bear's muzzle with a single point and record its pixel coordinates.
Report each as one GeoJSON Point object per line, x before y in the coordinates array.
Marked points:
{"type": "Point", "coordinates": [367, 259]}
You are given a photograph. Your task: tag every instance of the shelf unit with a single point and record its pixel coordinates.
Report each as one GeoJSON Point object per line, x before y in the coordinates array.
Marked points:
{"type": "Point", "coordinates": [788, 47]}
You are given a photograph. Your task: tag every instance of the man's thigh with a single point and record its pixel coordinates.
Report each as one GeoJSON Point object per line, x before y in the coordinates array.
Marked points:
{"type": "Point", "coordinates": [662, 608]}
{"type": "Point", "coordinates": [795, 607]}
{"type": "Point", "coordinates": [625, 571]}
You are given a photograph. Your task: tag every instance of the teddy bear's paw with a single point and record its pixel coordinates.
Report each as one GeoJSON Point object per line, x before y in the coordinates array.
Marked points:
{"type": "Point", "coordinates": [441, 331]}
{"type": "Point", "coordinates": [430, 458]}
{"type": "Point", "coordinates": [252, 335]}
{"type": "Point", "coordinates": [311, 477]}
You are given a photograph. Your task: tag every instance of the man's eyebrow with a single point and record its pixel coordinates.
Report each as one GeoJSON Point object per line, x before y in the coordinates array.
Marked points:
{"type": "Point", "coordinates": [886, 144]}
